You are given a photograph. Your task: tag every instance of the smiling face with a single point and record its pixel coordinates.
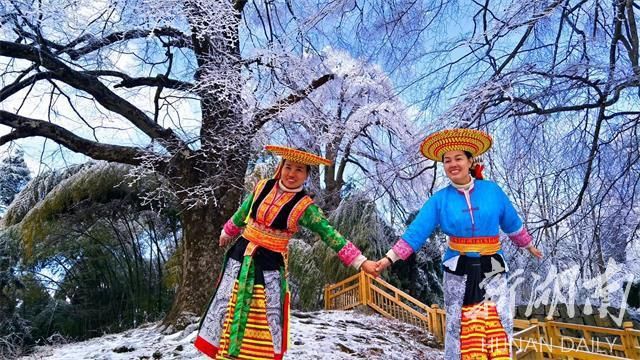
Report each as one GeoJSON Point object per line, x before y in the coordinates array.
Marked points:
{"type": "Point", "coordinates": [456, 166]}
{"type": "Point", "coordinates": [293, 174]}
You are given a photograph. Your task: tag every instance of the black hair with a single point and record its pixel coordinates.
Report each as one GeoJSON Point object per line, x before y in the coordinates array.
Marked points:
{"type": "Point", "coordinates": [467, 153]}
{"type": "Point", "coordinates": [307, 165]}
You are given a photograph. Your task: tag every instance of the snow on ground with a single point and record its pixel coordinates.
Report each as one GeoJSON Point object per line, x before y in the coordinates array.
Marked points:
{"type": "Point", "coordinates": [335, 335]}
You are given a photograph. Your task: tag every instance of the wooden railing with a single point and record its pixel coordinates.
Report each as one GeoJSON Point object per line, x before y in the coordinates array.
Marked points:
{"type": "Point", "coordinates": [557, 340]}
{"type": "Point", "coordinates": [364, 289]}
{"type": "Point", "coordinates": [534, 340]}
{"type": "Point", "coordinates": [344, 295]}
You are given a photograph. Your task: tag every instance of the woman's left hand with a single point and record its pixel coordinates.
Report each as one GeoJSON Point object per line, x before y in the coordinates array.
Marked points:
{"type": "Point", "coordinates": [535, 252]}
{"type": "Point", "coordinates": [224, 239]}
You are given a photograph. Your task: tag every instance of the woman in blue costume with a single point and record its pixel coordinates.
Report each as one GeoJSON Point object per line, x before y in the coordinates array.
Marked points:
{"type": "Point", "coordinates": [471, 213]}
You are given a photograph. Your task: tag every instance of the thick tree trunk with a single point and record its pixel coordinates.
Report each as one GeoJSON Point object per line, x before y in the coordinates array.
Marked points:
{"type": "Point", "coordinates": [201, 257]}
{"type": "Point", "coordinates": [333, 194]}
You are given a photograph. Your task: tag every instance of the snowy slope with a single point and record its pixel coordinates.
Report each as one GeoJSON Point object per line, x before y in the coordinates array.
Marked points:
{"type": "Point", "coordinates": [316, 335]}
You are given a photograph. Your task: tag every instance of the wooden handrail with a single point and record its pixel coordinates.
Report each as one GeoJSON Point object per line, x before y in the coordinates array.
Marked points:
{"type": "Point", "coordinates": [589, 328]}
{"type": "Point", "coordinates": [537, 340]}
{"type": "Point", "coordinates": [345, 281]}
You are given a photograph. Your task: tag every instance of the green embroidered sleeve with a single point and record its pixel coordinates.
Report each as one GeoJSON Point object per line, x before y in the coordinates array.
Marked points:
{"type": "Point", "coordinates": [241, 214]}
{"type": "Point", "coordinates": [314, 220]}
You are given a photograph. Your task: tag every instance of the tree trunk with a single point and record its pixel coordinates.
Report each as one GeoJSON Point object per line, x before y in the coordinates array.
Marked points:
{"type": "Point", "coordinates": [220, 163]}
{"type": "Point", "coordinates": [333, 194]}
{"type": "Point", "coordinates": [201, 256]}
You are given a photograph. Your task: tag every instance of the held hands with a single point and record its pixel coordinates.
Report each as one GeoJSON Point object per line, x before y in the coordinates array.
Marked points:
{"type": "Point", "coordinates": [383, 264]}
{"type": "Point", "coordinates": [375, 268]}
{"type": "Point", "coordinates": [370, 268]}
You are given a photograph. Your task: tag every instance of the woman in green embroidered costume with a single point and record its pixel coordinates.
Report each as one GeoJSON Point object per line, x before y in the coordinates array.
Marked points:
{"type": "Point", "coordinates": [248, 315]}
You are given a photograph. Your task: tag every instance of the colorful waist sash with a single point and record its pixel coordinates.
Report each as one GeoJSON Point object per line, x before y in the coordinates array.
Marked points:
{"type": "Point", "coordinates": [274, 240]}
{"type": "Point", "coordinates": [486, 245]}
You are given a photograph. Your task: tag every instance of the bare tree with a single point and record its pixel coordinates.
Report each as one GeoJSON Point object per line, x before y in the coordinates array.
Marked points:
{"type": "Point", "coordinates": [91, 75]}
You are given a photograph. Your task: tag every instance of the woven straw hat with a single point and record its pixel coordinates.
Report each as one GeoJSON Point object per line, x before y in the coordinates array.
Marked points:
{"type": "Point", "coordinates": [298, 156]}
{"type": "Point", "coordinates": [437, 144]}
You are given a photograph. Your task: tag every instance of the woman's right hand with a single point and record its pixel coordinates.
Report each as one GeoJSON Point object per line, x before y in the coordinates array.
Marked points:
{"type": "Point", "coordinates": [224, 239]}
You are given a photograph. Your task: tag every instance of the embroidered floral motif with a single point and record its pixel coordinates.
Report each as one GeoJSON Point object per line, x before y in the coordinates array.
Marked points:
{"type": "Point", "coordinates": [274, 240]}
{"type": "Point", "coordinates": [313, 220]}
{"type": "Point", "coordinates": [267, 203]}
{"type": "Point", "coordinates": [317, 215]}
{"type": "Point", "coordinates": [521, 237]}
{"type": "Point", "coordinates": [231, 229]}
{"type": "Point", "coordinates": [402, 249]}
{"type": "Point", "coordinates": [348, 253]}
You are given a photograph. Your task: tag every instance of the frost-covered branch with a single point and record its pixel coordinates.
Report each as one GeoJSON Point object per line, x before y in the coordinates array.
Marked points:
{"type": "Point", "coordinates": [264, 115]}
{"type": "Point", "coordinates": [159, 80]}
{"type": "Point", "coordinates": [25, 127]}
{"type": "Point", "coordinates": [18, 85]}
{"type": "Point", "coordinates": [91, 85]}
{"type": "Point", "coordinates": [179, 39]}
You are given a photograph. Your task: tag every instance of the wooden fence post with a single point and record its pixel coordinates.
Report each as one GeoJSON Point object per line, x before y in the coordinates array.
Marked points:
{"type": "Point", "coordinates": [437, 326]}
{"type": "Point", "coordinates": [629, 341]}
{"type": "Point", "coordinates": [554, 336]}
{"type": "Point", "coordinates": [362, 285]}
{"type": "Point", "coordinates": [539, 354]}
{"type": "Point", "coordinates": [327, 303]}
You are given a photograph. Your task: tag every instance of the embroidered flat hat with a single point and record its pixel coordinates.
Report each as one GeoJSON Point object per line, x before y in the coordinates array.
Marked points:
{"type": "Point", "coordinates": [298, 156]}
{"type": "Point", "coordinates": [474, 141]}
